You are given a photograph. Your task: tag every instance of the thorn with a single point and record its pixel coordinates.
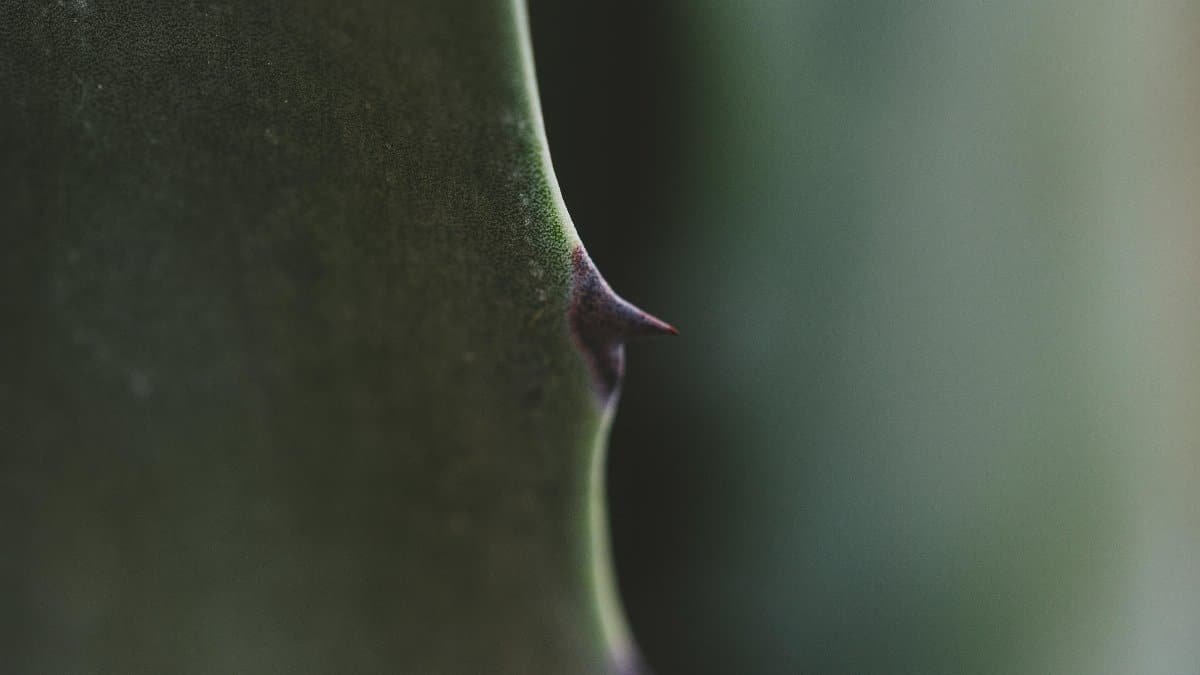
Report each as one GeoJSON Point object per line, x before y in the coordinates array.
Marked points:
{"type": "Point", "coordinates": [602, 321]}
{"type": "Point", "coordinates": [656, 326]}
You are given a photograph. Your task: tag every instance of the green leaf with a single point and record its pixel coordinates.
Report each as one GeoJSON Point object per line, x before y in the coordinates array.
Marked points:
{"type": "Point", "coordinates": [289, 384]}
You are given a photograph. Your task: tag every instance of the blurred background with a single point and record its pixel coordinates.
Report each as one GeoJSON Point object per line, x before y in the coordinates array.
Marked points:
{"type": "Point", "coordinates": [936, 405]}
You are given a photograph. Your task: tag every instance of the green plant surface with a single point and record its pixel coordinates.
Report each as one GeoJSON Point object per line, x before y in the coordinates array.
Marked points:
{"type": "Point", "coordinates": [286, 378]}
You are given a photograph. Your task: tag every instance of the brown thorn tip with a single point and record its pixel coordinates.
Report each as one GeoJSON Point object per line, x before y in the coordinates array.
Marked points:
{"type": "Point", "coordinates": [602, 321]}
{"type": "Point", "coordinates": [645, 325]}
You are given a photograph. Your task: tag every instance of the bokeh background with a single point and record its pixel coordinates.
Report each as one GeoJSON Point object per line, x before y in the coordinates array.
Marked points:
{"type": "Point", "coordinates": [936, 405]}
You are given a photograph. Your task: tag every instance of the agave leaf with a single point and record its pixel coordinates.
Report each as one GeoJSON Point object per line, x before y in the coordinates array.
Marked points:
{"type": "Point", "coordinates": [288, 381]}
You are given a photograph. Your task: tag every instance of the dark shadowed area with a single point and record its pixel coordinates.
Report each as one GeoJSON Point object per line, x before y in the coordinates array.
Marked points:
{"type": "Point", "coordinates": [934, 266]}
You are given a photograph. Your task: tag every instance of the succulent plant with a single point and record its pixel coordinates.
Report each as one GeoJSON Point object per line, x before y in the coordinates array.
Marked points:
{"type": "Point", "coordinates": [305, 368]}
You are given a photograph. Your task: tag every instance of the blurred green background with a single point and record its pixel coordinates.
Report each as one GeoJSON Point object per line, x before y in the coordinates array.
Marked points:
{"type": "Point", "coordinates": [936, 406]}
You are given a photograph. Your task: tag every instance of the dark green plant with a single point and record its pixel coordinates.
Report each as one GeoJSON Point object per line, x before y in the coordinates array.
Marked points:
{"type": "Point", "coordinates": [304, 368]}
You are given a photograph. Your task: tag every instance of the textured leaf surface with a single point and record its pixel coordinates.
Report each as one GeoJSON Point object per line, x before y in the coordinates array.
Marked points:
{"type": "Point", "coordinates": [288, 385]}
